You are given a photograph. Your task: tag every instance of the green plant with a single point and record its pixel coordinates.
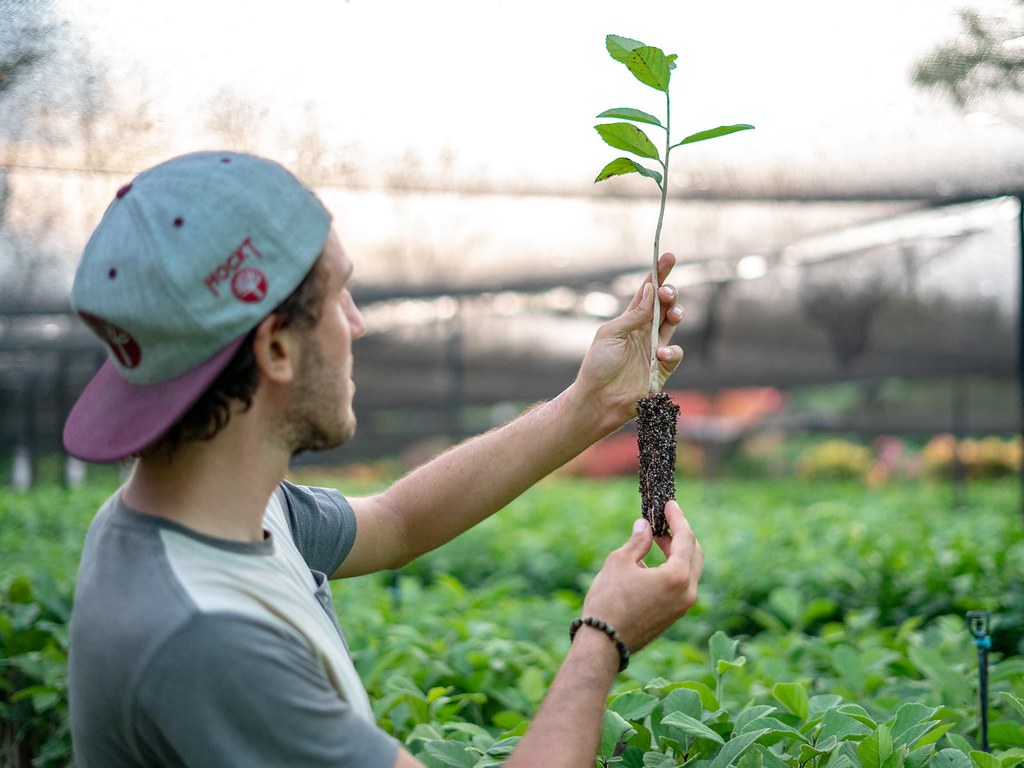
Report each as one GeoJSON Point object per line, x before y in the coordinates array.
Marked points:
{"type": "Point", "coordinates": [656, 413]}
{"type": "Point", "coordinates": [784, 706]}
{"type": "Point", "coordinates": [33, 673]}
{"type": "Point", "coordinates": [841, 590]}
{"type": "Point", "coordinates": [652, 67]}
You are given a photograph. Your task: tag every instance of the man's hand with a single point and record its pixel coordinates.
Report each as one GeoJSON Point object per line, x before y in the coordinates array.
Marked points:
{"type": "Point", "coordinates": [615, 371]}
{"type": "Point", "coordinates": [641, 602]}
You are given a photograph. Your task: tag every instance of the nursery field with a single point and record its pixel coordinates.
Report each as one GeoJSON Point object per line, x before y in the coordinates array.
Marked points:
{"type": "Point", "coordinates": [830, 628]}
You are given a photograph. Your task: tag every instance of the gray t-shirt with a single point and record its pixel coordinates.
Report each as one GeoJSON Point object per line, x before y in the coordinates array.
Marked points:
{"type": "Point", "coordinates": [187, 650]}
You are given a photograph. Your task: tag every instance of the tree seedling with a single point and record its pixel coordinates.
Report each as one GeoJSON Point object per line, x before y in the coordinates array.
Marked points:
{"type": "Point", "coordinates": [656, 413]}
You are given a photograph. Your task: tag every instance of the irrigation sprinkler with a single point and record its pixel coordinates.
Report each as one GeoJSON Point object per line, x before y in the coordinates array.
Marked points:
{"type": "Point", "coordinates": [977, 623]}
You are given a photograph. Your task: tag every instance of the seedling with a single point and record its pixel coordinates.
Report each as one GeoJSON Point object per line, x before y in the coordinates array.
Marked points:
{"type": "Point", "coordinates": [656, 413]}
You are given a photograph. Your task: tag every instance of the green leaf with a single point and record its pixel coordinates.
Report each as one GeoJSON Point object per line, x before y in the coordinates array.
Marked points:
{"type": "Point", "coordinates": [721, 646]}
{"type": "Point", "coordinates": [650, 66]}
{"type": "Point", "coordinates": [911, 723]}
{"type": "Point", "coordinates": [634, 705]}
{"type": "Point", "coordinates": [841, 726]}
{"type": "Point", "coordinates": [808, 752]}
{"type": "Point", "coordinates": [724, 666]}
{"type": "Point", "coordinates": [613, 730]}
{"type": "Point", "coordinates": [684, 700]}
{"type": "Point", "coordinates": [913, 734]}
{"type": "Point", "coordinates": [714, 133]}
{"type": "Point", "coordinates": [707, 696]}
{"type": "Point", "coordinates": [774, 726]}
{"type": "Point", "coordinates": [619, 48]}
{"type": "Point", "coordinates": [628, 113]}
{"type": "Point", "coordinates": [951, 758]}
{"type": "Point", "coordinates": [793, 697]}
{"type": "Point", "coordinates": [627, 137]}
{"type": "Point", "coordinates": [846, 661]}
{"type": "Point", "coordinates": [959, 742]}
{"type": "Point", "coordinates": [531, 682]}
{"type": "Point", "coordinates": [985, 760]}
{"type": "Point", "coordinates": [671, 58]}
{"type": "Point", "coordinates": [503, 747]}
{"type": "Point", "coordinates": [623, 165]}
{"type": "Point", "coordinates": [787, 602]}
{"type": "Point", "coordinates": [1018, 704]}
{"type": "Point", "coordinates": [658, 760]}
{"type": "Point", "coordinates": [425, 732]}
{"type": "Point", "coordinates": [751, 713]}
{"type": "Point", "coordinates": [1008, 669]}
{"type": "Point", "coordinates": [858, 713]}
{"type": "Point", "coordinates": [1005, 733]}
{"type": "Point", "coordinates": [692, 726]}
{"type": "Point", "coordinates": [876, 748]}
{"type": "Point", "coordinates": [768, 758]}
{"type": "Point", "coordinates": [823, 702]}
{"type": "Point", "coordinates": [732, 751]}
{"type": "Point", "coordinates": [451, 753]}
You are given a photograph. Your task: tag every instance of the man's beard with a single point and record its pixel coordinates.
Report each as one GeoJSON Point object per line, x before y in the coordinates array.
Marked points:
{"type": "Point", "coordinates": [312, 422]}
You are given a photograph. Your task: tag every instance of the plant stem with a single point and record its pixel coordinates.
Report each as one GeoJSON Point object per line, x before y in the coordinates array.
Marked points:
{"type": "Point", "coordinates": [653, 385]}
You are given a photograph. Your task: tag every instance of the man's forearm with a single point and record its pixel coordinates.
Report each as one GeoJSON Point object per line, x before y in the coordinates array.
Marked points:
{"type": "Point", "coordinates": [470, 482]}
{"type": "Point", "coordinates": [567, 729]}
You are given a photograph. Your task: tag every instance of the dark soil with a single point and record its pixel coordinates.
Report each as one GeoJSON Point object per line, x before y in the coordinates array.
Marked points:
{"type": "Point", "coordinates": [656, 441]}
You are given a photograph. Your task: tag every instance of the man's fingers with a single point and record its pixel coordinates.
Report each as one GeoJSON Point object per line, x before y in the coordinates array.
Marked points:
{"type": "Point", "coordinates": [683, 540]}
{"type": "Point", "coordinates": [641, 293]}
{"type": "Point", "coordinates": [665, 264]}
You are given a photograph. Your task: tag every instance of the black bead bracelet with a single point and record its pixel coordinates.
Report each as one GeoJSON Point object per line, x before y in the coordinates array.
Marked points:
{"type": "Point", "coordinates": [609, 630]}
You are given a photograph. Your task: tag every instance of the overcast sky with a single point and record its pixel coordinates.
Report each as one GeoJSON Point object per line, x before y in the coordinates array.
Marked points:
{"type": "Point", "coordinates": [513, 87]}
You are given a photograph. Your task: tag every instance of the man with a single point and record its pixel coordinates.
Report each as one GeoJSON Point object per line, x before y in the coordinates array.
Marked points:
{"type": "Point", "coordinates": [203, 632]}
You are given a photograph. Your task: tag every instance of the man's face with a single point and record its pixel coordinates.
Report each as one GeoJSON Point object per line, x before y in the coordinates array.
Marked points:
{"type": "Point", "coordinates": [321, 413]}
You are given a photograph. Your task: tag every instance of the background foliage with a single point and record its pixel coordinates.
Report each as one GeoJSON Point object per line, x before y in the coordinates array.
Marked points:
{"type": "Point", "coordinates": [829, 629]}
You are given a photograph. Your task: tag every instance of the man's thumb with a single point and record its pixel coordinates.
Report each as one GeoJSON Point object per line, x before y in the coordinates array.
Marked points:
{"type": "Point", "coordinates": [639, 543]}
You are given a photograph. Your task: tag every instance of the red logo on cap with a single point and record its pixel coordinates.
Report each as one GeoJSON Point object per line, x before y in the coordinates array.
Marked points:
{"type": "Point", "coordinates": [249, 285]}
{"type": "Point", "coordinates": [125, 348]}
{"type": "Point", "coordinates": [232, 266]}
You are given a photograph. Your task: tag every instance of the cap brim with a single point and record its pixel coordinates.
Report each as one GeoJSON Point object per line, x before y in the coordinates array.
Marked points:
{"type": "Point", "coordinates": [114, 419]}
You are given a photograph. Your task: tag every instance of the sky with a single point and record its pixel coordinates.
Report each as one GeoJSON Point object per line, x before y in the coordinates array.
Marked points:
{"type": "Point", "coordinates": [512, 88]}
{"type": "Point", "coordinates": [508, 92]}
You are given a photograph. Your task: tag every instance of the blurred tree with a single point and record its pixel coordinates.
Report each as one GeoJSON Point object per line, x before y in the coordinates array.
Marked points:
{"type": "Point", "coordinates": [24, 43]}
{"type": "Point", "coordinates": [67, 119]}
{"type": "Point", "coordinates": [25, 38]}
{"type": "Point", "coordinates": [985, 62]}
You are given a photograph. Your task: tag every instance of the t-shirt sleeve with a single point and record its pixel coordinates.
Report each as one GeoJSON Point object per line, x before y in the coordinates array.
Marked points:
{"type": "Point", "coordinates": [252, 696]}
{"type": "Point", "coordinates": [323, 524]}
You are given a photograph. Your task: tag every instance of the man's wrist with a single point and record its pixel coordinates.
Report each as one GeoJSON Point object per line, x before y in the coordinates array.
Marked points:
{"type": "Point", "coordinates": [593, 646]}
{"type": "Point", "coordinates": [602, 626]}
{"type": "Point", "coordinates": [589, 415]}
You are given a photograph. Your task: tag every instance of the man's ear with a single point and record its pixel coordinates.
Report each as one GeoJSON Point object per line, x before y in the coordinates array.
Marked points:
{"type": "Point", "coordinates": [275, 350]}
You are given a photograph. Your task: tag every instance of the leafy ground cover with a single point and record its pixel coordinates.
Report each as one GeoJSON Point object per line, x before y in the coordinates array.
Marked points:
{"type": "Point", "coordinates": [829, 631]}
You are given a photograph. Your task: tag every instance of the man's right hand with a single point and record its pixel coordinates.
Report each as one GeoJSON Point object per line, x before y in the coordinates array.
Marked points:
{"type": "Point", "coordinates": [641, 602]}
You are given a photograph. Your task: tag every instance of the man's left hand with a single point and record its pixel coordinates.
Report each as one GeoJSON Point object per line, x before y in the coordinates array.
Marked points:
{"type": "Point", "coordinates": [615, 372]}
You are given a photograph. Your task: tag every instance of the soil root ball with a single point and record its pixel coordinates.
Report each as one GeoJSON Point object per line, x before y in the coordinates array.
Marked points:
{"type": "Point", "coordinates": [656, 443]}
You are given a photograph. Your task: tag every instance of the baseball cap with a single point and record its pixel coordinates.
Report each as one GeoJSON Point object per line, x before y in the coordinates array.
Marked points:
{"type": "Point", "coordinates": [188, 258]}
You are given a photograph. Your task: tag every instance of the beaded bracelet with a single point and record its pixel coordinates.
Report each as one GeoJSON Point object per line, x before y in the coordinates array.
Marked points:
{"type": "Point", "coordinates": [607, 628]}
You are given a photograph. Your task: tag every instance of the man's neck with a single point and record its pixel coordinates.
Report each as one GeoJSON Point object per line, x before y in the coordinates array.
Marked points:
{"type": "Point", "coordinates": [217, 487]}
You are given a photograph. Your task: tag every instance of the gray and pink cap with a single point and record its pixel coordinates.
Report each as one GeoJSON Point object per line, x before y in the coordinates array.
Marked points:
{"type": "Point", "coordinates": [188, 258]}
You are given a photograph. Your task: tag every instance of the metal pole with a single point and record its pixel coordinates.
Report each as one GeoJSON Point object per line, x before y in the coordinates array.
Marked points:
{"type": "Point", "coordinates": [977, 623]}
{"type": "Point", "coordinates": [1020, 336]}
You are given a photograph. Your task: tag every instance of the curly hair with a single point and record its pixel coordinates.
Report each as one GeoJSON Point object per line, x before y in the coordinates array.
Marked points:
{"type": "Point", "coordinates": [240, 378]}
